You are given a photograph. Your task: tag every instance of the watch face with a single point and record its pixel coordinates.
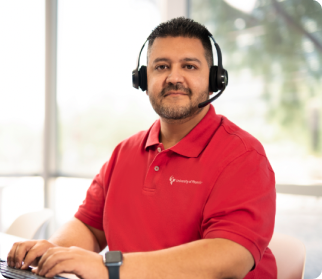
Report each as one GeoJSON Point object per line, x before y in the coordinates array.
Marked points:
{"type": "Point", "coordinates": [113, 257]}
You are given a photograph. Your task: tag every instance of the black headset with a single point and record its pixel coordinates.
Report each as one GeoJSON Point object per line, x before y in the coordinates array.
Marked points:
{"type": "Point", "coordinates": [218, 77]}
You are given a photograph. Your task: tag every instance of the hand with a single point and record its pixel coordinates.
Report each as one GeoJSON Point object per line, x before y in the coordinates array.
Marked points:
{"type": "Point", "coordinates": [27, 251]}
{"type": "Point", "coordinates": [85, 264]}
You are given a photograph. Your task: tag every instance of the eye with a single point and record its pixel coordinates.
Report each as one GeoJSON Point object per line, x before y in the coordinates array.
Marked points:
{"type": "Point", "coordinates": [190, 67]}
{"type": "Point", "coordinates": [161, 67]}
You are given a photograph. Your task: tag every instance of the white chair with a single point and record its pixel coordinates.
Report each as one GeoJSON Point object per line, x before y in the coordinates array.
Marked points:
{"type": "Point", "coordinates": [31, 225]}
{"type": "Point", "coordinates": [290, 256]}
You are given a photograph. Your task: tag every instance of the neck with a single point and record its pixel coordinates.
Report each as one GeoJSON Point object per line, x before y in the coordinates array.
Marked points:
{"type": "Point", "coordinates": [172, 131]}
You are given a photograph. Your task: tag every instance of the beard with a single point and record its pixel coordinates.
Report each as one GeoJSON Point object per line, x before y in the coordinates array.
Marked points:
{"type": "Point", "coordinates": [176, 112]}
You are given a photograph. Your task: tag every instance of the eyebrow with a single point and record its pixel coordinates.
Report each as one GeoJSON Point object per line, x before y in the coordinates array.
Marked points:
{"type": "Point", "coordinates": [191, 59]}
{"type": "Point", "coordinates": [187, 59]}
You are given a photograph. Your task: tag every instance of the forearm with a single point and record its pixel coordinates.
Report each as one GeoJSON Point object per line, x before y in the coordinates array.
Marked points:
{"type": "Point", "coordinates": [207, 258]}
{"type": "Point", "coordinates": [75, 233]}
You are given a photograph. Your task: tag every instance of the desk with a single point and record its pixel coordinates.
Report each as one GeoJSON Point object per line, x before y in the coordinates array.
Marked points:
{"type": "Point", "coordinates": [6, 242]}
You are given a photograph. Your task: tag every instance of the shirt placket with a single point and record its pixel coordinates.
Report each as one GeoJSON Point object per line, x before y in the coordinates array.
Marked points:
{"type": "Point", "coordinates": [155, 170]}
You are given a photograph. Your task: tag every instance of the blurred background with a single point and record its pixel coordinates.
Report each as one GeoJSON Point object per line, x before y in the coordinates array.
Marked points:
{"type": "Point", "coordinates": [66, 97]}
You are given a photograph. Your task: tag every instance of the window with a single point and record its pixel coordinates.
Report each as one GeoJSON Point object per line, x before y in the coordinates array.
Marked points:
{"type": "Point", "coordinates": [98, 46]}
{"type": "Point", "coordinates": [273, 53]}
{"type": "Point", "coordinates": [22, 53]}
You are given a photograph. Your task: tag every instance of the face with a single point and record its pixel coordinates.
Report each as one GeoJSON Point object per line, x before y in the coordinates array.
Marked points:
{"type": "Point", "coordinates": [178, 77]}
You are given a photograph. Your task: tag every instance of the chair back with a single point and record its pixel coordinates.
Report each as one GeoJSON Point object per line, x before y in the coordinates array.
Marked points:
{"type": "Point", "coordinates": [290, 256]}
{"type": "Point", "coordinates": [31, 225]}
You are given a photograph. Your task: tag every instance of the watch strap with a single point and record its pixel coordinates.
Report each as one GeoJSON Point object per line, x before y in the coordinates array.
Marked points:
{"type": "Point", "coordinates": [113, 272]}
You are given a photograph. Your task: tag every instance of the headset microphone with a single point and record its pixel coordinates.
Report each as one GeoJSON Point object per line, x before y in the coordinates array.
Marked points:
{"type": "Point", "coordinates": [218, 77]}
{"type": "Point", "coordinates": [203, 104]}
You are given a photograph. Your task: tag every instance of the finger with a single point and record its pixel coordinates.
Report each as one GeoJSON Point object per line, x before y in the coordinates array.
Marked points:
{"type": "Point", "coordinates": [34, 270]}
{"type": "Point", "coordinates": [11, 254]}
{"type": "Point", "coordinates": [34, 263]}
{"type": "Point", "coordinates": [47, 254]}
{"type": "Point", "coordinates": [52, 258]}
{"type": "Point", "coordinates": [21, 250]}
{"type": "Point", "coordinates": [67, 266]}
{"type": "Point", "coordinates": [35, 253]}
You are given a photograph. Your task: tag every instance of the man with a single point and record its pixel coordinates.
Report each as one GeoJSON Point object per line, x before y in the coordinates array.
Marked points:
{"type": "Point", "coordinates": [192, 197]}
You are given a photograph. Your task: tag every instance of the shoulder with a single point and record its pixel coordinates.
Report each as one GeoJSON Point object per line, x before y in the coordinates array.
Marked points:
{"type": "Point", "coordinates": [230, 143]}
{"type": "Point", "coordinates": [233, 134]}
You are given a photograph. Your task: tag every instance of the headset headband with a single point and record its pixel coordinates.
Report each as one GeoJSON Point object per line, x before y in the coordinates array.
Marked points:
{"type": "Point", "coordinates": [140, 54]}
{"type": "Point", "coordinates": [210, 36]}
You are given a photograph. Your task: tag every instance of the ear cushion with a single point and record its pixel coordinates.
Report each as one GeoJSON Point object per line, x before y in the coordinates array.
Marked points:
{"type": "Point", "coordinates": [226, 77]}
{"type": "Point", "coordinates": [135, 78]}
{"type": "Point", "coordinates": [143, 82]}
{"type": "Point", "coordinates": [213, 79]}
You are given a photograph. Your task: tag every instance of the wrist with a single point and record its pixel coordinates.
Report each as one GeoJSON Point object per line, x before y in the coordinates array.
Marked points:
{"type": "Point", "coordinates": [103, 269]}
{"type": "Point", "coordinates": [113, 261]}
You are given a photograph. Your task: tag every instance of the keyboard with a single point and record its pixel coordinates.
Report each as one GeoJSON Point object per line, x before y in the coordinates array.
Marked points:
{"type": "Point", "coordinates": [15, 273]}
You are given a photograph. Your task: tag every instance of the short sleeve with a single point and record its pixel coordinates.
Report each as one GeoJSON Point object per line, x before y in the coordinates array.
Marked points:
{"type": "Point", "coordinates": [241, 205]}
{"type": "Point", "coordinates": [91, 210]}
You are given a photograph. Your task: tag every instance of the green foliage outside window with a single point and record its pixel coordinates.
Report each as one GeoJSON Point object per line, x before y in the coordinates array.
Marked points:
{"type": "Point", "coordinates": [281, 43]}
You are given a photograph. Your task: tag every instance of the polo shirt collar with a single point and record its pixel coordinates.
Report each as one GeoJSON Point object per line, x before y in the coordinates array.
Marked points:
{"type": "Point", "coordinates": [196, 140]}
{"type": "Point", "coordinates": [153, 134]}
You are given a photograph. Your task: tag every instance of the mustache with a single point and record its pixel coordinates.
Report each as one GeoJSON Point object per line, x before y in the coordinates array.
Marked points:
{"type": "Point", "coordinates": [175, 87]}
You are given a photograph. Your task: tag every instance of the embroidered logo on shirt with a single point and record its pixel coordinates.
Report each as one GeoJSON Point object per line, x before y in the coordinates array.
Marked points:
{"type": "Point", "coordinates": [172, 179]}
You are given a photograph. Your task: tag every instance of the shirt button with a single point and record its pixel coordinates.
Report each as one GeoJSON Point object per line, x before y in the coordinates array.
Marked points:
{"type": "Point", "coordinates": [156, 168]}
{"type": "Point", "coordinates": [159, 149]}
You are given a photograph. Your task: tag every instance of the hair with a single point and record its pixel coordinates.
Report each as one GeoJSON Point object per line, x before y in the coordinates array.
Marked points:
{"type": "Point", "coordinates": [183, 27]}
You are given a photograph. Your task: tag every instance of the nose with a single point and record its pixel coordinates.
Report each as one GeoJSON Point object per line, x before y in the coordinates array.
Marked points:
{"type": "Point", "coordinates": [175, 76]}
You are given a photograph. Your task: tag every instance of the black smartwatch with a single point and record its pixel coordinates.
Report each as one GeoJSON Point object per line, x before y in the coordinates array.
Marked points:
{"type": "Point", "coordinates": [113, 261]}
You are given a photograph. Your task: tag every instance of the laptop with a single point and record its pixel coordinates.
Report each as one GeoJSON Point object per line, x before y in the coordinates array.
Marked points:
{"type": "Point", "coordinates": [15, 273]}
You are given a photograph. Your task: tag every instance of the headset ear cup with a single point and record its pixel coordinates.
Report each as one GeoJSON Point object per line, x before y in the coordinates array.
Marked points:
{"type": "Point", "coordinates": [220, 79]}
{"type": "Point", "coordinates": [213, 79]}
{"type": "Point", "coordinates": [143, 83]}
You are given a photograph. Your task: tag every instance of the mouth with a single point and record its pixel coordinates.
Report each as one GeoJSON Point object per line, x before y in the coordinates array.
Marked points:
{"type": "Point", "coordinates": [175, 93]}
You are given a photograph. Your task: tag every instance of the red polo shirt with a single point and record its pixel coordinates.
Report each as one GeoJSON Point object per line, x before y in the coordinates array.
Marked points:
{"type": "Point", "coordinates": [215, 183]}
